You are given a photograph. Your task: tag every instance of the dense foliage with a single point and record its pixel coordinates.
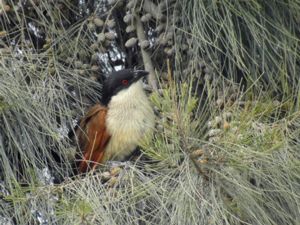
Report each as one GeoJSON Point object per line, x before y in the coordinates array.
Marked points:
{"type": "Point", "coordinates": [224, 82]}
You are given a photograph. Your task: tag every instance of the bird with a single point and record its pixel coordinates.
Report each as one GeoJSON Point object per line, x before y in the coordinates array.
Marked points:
{"type": "Point", "coordinates": [113, 128]}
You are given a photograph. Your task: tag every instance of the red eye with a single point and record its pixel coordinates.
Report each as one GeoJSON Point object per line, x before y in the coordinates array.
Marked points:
{"type": "Point", "coordinates": [124, 82]}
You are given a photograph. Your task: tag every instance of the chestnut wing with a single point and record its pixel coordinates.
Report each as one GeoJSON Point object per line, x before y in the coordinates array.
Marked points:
{"type": "Point", "coordinates": [92, 137]}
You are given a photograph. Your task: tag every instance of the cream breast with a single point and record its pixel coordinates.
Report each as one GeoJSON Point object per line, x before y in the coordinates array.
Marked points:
{"type": "Point", "coordinates": [130, 118]}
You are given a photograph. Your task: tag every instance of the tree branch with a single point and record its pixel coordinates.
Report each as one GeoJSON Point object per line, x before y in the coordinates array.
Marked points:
{"type": "Point", "coordinates": [146, 57]}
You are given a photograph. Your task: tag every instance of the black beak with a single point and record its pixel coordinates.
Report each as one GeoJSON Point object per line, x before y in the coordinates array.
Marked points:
{"type": "Point", "coordinates": [140, 73]}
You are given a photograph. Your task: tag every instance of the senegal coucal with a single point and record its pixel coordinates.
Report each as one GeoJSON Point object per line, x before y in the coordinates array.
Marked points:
{"type": "Point", "coordinates": [112, 130]}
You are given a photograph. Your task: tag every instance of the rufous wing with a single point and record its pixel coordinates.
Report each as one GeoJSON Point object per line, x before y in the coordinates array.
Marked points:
{"type": "Point", "coordinates": [92, 137]}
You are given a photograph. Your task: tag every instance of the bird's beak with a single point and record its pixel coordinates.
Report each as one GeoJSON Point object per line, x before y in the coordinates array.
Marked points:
{"type": "Point", "coordinates": [140, 73]}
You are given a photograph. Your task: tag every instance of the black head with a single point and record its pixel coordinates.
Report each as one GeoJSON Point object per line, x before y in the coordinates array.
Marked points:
{"type": "Point", "coordinates": [120, 80]}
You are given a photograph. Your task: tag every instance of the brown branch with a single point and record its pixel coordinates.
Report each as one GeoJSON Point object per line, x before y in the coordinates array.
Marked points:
{"type": "Point", "coordinates": [145, 55]}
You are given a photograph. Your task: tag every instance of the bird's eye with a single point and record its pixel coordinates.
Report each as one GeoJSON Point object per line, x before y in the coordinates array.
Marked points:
{"type": "Point", "coordinates": [124, 82]}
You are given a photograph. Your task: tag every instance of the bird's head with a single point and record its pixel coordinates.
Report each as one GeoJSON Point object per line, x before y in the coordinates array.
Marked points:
{"type": "Point", "coordinates": [120, 80]}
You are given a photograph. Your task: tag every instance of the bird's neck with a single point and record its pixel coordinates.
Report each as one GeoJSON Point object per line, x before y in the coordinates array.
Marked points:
{"type": "Point", "coordinates": [129, 97]}
{"type": "Point", "coordinates": [130, 111]}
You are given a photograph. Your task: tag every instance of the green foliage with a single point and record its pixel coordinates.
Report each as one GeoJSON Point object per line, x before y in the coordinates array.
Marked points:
{"type": "Point", "coordinates": [3, 105]}
{"type": "Point", "coordinates": [176, 123]}
{"type": "Point", "coordinates": [78, 210]}
{"type": "Point", "coordinates": [259, 39]}
{"type": "Point", "coordinates": [246, 173]}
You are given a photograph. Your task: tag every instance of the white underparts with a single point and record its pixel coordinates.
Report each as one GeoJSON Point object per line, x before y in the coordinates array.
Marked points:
{"type": "Point", "coordinates": [130, 117]}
